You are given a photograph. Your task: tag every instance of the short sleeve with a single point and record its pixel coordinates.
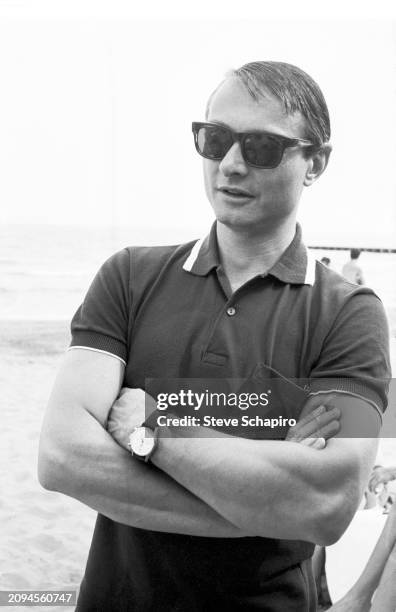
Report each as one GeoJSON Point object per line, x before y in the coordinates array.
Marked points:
{"type": "Point", "coordinates": [355, 354]}
{"type": "Point", "coordinates": [102, 320]}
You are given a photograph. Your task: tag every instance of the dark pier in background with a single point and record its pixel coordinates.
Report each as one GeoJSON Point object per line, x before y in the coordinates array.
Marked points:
{"type": "Point", "coordinates": [344, 248]}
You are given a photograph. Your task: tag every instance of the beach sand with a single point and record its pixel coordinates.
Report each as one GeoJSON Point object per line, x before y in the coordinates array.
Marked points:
{"type": "Point", "coordinates": [45, 536]}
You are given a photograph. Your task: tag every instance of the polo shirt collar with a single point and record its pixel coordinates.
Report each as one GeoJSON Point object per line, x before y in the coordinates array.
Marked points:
{"type": "Point", "coordinates": [204, 255]}
{"type": "Point", "coordinates": [296, 265]}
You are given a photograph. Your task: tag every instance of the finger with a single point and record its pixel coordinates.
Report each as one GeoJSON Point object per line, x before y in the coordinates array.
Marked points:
{"type": "Point", "coordinates": [317, 443]}
{"type": "Point", "coordinates": [305, 426]}
{"type": "Point", "coordinates": [308, 441]}
{"type": "Point", "coordinates": [323, 417]}
{"type": "Point", "coordinates": [329, 430]}
{"type": "Point", "coordinates": [314, 401]}
{"type": "Point", "coordinates": [307, 417]}
{"type": "Point", "coordinates": [314, 427]}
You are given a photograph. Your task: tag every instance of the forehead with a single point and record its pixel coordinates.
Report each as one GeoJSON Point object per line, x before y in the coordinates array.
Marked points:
{"type": "Point", "coordinates": [234, 106]}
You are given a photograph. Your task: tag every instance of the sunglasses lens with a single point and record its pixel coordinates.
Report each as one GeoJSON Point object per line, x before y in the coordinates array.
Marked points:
{"type": "Point", "coordinates": [213, 141]}
{"type": "Point", "coordinates": [258, 148]}
{"type": "Point", "coordinates": [262, 150]}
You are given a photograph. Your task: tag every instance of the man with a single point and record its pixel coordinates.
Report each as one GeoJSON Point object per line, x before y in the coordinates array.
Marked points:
{"type": "Point", "coordinates": [351, 270]}
{"type": "Point", "coordinates": [213, 521]}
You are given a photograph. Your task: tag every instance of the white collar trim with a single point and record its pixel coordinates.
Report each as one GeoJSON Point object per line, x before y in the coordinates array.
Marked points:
{"type": "Point", "coordinates": [192, 258]}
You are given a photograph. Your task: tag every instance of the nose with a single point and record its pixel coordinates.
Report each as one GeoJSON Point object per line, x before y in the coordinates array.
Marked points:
{"type": "Point", "coordinates": [233, 162]}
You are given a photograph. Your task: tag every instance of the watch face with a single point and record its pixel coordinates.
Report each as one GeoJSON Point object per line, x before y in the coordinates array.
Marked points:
{"type": "Point", "coordinates": [142, 441]}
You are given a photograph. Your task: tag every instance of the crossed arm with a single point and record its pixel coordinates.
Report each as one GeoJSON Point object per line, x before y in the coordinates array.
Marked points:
{"type": "Point", "coordinates": [79, 458]}
{"type": "Point", "coordinates": [280, 489]}
{"type": "Point", "coordinates": [221, 488]}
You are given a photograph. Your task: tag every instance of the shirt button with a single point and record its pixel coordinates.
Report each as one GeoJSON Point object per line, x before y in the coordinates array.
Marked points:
{"type": "Point", "coordinates": [231, 311]}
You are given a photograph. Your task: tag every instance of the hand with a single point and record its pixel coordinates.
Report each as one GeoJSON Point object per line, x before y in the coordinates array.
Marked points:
{"type": "Point", "coordinates": [315, 427]}
{"type": "Point", "coordinates": [130, 410]}
{"type": "Point", "coordinates": [381, 475]}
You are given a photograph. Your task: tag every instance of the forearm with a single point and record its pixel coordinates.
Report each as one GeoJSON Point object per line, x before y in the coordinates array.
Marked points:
{"type": "Point", "coordinates": [385, 596]}
{"type": "Point", "coordinates": [94, 469]}
{"type": "Point", "coordinates": [369, 578]}
{"type": "Point", "coordinates": [275, 489]}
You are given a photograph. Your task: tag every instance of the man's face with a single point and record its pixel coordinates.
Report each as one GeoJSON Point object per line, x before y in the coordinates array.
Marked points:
{"type": "Point", "coordinates": [269, 196]}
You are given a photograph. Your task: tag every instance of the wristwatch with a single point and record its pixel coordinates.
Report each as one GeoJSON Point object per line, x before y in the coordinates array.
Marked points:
{"type": "Point", "coordinates": [142, 442]}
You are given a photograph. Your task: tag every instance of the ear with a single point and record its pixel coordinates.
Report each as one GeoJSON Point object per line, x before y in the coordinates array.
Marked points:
{"type": "Point", "coordinates": [317, 164]}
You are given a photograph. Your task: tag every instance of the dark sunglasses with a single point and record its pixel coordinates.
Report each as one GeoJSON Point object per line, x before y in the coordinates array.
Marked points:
{"type": "Point", "coordinates": [259, 149]}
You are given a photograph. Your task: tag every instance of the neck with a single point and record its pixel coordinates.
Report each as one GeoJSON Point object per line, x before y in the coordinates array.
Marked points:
{"type": "Point", "coordinates": [245, 254]}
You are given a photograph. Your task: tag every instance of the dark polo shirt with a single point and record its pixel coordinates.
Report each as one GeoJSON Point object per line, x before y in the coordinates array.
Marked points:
{"type": "Point", "coordinates": [168, 312]}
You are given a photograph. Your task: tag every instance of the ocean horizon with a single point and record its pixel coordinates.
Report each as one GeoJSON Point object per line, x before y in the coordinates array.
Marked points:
{"type": "Point", "coordinates": [45, 271]}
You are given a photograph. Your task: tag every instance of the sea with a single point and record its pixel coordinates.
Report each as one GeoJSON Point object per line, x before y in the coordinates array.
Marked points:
{"type": "Point", "coordinates": [45, 270]}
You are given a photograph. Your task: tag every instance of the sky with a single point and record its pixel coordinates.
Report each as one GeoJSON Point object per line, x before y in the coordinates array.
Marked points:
{"type": "Point", "coordinates": [97, 101]}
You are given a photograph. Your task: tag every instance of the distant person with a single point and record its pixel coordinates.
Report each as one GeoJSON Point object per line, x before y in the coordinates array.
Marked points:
{"type": "Point", "coordinates": [375, 590]}
{"type": "Point", "coordinates": [326, 261]}
{"type": "Point", "coordinates": [351, 270]}
{"type": "Point", "coordinates": [381, 476]}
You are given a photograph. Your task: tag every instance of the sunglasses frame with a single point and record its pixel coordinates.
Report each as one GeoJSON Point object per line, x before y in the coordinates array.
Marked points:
{"type": "Point", "coordinates": [240, 137]}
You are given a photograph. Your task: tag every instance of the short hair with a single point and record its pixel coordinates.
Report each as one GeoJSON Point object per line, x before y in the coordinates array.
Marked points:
{"type": "Point", "coordinates": [325, 260]}
{"type": "Point", "coordinates": [293, 87]}
{"type": "Point", "coordinates": [355, 253]}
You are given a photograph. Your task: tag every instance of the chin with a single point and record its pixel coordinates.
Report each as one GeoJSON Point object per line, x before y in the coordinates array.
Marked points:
{"type": "Point", "coordinates": [240, 222]}
{"type": "Point", "coordinates": [233, 216]}
{"type": "Point", "coordinates": [229, 217]}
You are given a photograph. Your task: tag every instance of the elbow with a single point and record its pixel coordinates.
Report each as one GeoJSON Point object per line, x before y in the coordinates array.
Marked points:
{"type": "Point", "coordinates": [45, 475]}
{"type": "Point", "coordinates": [336, 513]}
{"type": "Point", "coordinates": [50, 467]}
{"type": "Point", "coordinates": [323, 518]}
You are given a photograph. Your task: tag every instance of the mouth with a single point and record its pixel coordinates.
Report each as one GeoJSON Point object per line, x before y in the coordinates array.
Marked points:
{"type": "Point", "coordinates": [235, 192]}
